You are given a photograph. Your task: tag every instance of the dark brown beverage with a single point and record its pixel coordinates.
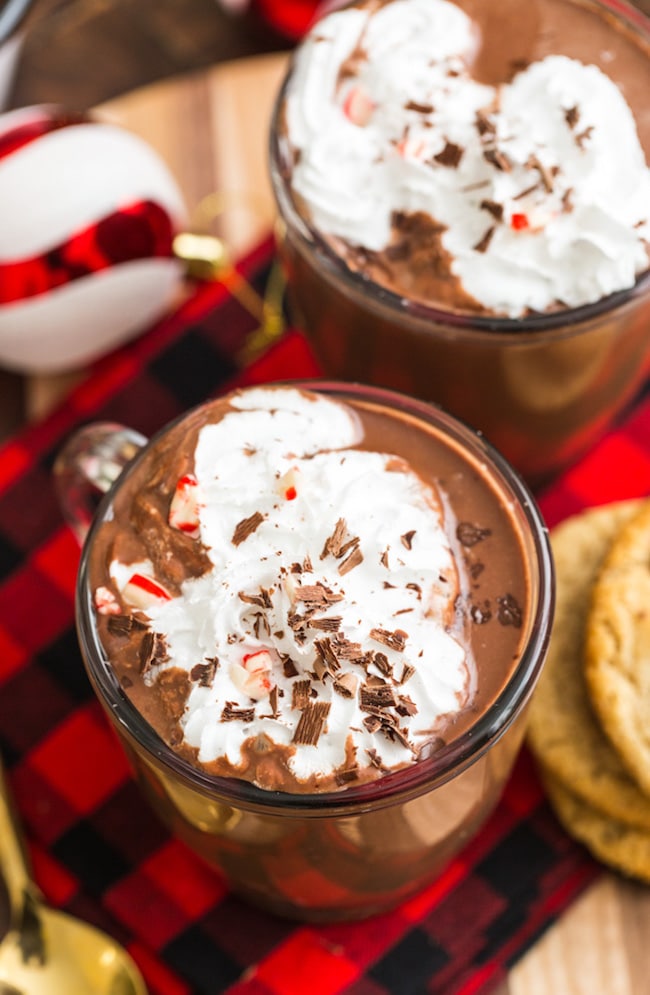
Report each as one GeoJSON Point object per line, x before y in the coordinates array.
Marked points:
{"type": "Point", "coordinates": [458, 258]}
{"type": "Point", "coordinates": [319, 606]}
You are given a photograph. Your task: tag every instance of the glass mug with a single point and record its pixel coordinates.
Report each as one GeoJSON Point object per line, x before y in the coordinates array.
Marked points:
{"type": "Point", "coordinates": [543, 389]}
{"type": "Point", "coordinates": [342, 854]}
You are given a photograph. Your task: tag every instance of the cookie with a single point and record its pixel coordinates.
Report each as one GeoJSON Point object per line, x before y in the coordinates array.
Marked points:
{"type": "Point", "coordinates": [614, 843]}
{"type": "Point", "coordinates": [563, 731]}
{"type": "Point", "coordinates": [617, 647]}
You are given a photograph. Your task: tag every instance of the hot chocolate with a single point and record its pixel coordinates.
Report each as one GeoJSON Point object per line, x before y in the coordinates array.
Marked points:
{"type": "Point", "coordinates": [314, 615]}
{"type": "Point", "coordinates": [466, 202]}
{"type": "Point", "coordinates": [308, 594]}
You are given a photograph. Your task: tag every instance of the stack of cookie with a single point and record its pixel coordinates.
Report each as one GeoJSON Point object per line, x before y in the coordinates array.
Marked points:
{"type": "Point", "coordinates": [589, 725]}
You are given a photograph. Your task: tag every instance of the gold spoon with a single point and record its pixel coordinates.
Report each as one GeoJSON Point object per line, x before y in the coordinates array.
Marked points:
{"type": "Point", "coordinates": [44, 951]}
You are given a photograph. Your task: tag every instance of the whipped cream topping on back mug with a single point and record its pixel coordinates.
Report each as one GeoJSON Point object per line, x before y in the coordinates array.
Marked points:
{"type": "Point", "coordinates": [534, 194]}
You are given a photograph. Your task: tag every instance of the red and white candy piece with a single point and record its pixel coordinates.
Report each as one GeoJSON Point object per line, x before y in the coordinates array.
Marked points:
{"type": "Point", "coordinates": [358, 106]}
{"type": "Point", "coordinates": [184, 507]}
{"type": "Point", "coordinates": [253, 676]}
{"type": "Point", "coordinates": [106, 603]}
{"type": "Point", "coordinates": [289, 484]}
{"type": "Point", "coordinates": [142, 591]}
{"type": "Point", "coordinates": [411, 148]}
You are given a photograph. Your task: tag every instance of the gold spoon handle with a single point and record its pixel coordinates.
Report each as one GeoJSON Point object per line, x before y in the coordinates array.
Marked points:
{"type": "Point", "coordinates": [14, 864]}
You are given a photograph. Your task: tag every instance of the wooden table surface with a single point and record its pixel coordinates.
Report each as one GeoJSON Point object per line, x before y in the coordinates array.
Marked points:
{"type": "Point", "coordinates": [211, 128]}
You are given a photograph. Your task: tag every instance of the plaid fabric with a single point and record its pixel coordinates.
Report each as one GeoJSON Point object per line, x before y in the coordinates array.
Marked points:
{"type": "Point", "coordinates": [100, 853]}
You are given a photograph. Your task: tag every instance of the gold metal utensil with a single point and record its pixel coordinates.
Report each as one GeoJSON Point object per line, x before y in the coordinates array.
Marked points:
{"type": "Point", "coordinates": [44, 951]}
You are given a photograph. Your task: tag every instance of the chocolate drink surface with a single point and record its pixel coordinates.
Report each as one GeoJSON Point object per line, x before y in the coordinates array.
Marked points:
{"type": "Point", "coordinates": [475, 157]}
{"type": "Point", "coordinates": [308, 594]}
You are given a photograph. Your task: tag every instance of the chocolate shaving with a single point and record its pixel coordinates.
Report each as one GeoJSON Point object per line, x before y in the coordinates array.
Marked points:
{"type": "Point", "coordinates": [298, 623]}
{"type": "Point", "coordinates": [289, 668]}
{"type": "Point", "coordinates": [394, 732]}
{"type": "Point", "coordinates": [483, 243]}
{"type": "Point", "coordinates": [317, 595]}
{"type": "Point", "coordinates": [231, 712]}
{"type": "Point", "coordinates": [406, 705]}
{"type": "Point", "coordinates": [334, 543]}
{"type": "Point", "coordinates": [124, 625]}
{"type": "Point", "coordinates": [509, 612]}
{"type": "Point", "coordinates": [382, 663]}
{"type": "Point", "coordinates": [394, 640]}
{"type": "Point", "coordinates": [407, 539]}
{"type": "Point", "coordinates": [301, 694]}
{"type": "Point", "coordinates": [330, 623]}
{"type": "Point", "coordinates": [262, 600]}
{"type": "Point", "coordinates": [346, 685]}
{"type": "Point", "coordinates": [498, 159]}
{"type": "Point", "coordinates": [376, 697]}
{"type": "Point", "coordinates": [345, 776]}
{"type": "Point", "coordinates": [311, 723]}
{"type": "Point", "coordinates": [412, 586]}
{"type": "Point", "coordinates": [493, 207]}
{"type": "Point", "coordinates": [583, 136]}
{"type": "Point", "coordinates": [469, 535]}
{"type": "Point", "coordinates": [273, 702]}
{"type": "Point", "coordinates": [567, 200]}
{"type": "Point", "coordinates": [572, 116]}
{"type": "Point", "coordinates": [407, 673]}
{"type": "Point", "coordinates": [203, 673]}
{"type": "Point", "coordinates": [377, 762]}
{"type": "Point", "coordinates": [528, 190]}
{"type": "Point", "coordinates": [372, 723]}
{"type": "Point", "coordinates": [325, 650]}
{"type": "Point", "coordinates": [383, 559]}
{"type": "Point", "coordinates": [350, 562]}
{"type": "Point", "coordinates": [153, 650]}
{"type": "Point", "coordinates": [414, 105]}
{"type": "Point", "coordinates": [246, 527]}
{"type": "Point", "coordinates": [544, 172]}
{"type": "Point", "coordinates": [484, 125]}
{"type": "Point", "coordinates": [347, 650]}
{"type": "Point", "coordinates": [261, 623]}
{"type": "Point", "coordinates": [450, 156]}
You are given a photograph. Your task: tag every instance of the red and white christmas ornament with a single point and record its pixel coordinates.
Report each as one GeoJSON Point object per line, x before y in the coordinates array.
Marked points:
{"type": "Point", "coordinates": [88, 215]}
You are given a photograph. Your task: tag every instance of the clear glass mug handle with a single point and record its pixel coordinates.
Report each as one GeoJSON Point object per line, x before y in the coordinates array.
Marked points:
{"type": "Point", "coordinates": [89, 463]}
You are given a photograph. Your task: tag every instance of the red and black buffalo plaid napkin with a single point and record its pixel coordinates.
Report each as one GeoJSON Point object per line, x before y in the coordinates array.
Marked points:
{"type": "Point", "coordinates": [97, 849]}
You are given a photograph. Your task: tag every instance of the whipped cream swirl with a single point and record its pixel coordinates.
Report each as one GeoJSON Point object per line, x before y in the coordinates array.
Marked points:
{"type": "Point", "coordinates": [540, 185]}
{"type": "Point", "coordinates": [327, 622]}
